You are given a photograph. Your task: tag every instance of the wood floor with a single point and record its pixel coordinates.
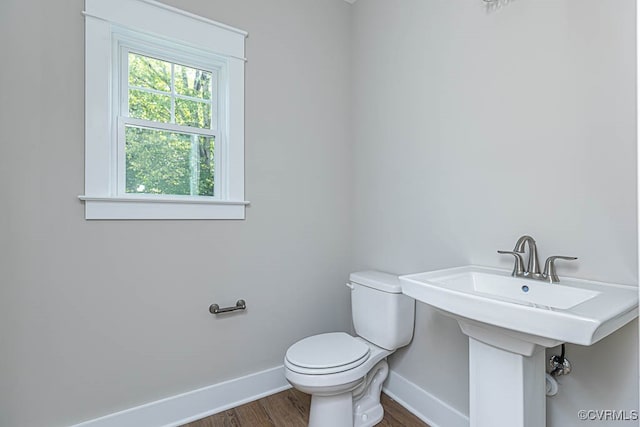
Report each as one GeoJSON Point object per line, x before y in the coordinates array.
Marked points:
{"type": "Point", "coordinates": [290, 408]}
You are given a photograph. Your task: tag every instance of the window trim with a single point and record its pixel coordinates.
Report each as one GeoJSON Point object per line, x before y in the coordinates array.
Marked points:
{"type": "Point", "coordinates": [113, 26]}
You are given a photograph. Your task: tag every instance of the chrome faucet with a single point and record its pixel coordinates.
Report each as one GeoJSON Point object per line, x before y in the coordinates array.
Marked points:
{"type": "Point", "coordinates": [532, 271]}
{"type": "Point", "coordinates": [533, 267]}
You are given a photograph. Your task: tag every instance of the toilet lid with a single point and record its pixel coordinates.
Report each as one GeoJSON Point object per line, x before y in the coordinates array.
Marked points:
{"type": "Point", "coordinates": [326, 351]}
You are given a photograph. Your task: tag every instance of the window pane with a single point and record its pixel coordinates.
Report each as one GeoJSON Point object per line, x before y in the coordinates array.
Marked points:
{"type": "Point", "coordinates": [193, 113]}
{"type": "Point", "coordinates": [205, 165]}
{"type": "Point", "coordinates": [149, 72]}
{"type": "Point", "coordinates": [149, 106]}
{"type": "Point", "coordinates": [192, 82]}
{"type": "Point", "coordinates": [161, 162]}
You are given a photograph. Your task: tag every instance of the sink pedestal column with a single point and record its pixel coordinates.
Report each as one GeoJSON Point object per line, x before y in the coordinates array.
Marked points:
{"type": "Point", "coordinates": [506, 389]}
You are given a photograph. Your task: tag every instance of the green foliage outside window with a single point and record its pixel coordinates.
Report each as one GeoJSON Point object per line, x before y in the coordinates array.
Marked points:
{"type": "Point", "coordinates": [164, 162]}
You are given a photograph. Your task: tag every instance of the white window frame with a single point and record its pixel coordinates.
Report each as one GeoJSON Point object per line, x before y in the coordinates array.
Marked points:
{"type": "Point", "coordinates": [150, 28]}
{"type": "Point", "coordinates": [125, 44]}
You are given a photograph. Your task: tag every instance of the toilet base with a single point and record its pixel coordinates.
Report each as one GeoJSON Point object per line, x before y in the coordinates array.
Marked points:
{"type": "Point", "coordinates": [367, 408]}
{"type": "Point", "coordinates": [335, 411]}
{"type": "Point", "coordinates": [354, 408]}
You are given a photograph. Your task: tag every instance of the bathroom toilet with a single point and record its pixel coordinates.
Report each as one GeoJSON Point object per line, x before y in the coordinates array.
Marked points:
{"type": "Point", "coordinates": [344, 374]}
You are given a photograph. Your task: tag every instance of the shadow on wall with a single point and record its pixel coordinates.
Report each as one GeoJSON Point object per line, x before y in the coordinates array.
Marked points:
{"type": "Point", "coordinates": [495, 5]}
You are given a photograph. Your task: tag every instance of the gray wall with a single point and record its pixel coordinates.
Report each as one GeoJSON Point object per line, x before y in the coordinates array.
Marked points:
{"type": "Point", "coordinates": [473, 128]}
{"type": "Point", "coordinates": [100, 316]}
{"type": "Point", "coordinates": [446, 102]}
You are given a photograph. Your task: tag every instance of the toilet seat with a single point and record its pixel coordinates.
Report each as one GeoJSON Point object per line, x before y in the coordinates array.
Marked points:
{"type": "Point", "coordinates": [326, 354]}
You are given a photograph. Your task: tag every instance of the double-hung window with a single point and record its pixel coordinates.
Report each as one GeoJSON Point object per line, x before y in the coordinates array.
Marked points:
{"type": "Point", "coordinates": [164, 117]}
{"type": "Point", "coordinates": [168, 116]}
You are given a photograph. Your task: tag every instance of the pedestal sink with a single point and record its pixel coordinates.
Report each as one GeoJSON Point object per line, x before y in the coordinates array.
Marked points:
{"type": "Point", "coordinates": [509, 322]}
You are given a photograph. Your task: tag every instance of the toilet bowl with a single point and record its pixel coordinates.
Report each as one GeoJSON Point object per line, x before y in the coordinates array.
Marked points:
{"type": "Point", "coordinates": [343, 373]}
{"type": "Point", "coordinates": [344, 388]}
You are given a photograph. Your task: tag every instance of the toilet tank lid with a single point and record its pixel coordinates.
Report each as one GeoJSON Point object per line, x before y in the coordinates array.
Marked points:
{"type": "Point", "coordinates": [384, 282]}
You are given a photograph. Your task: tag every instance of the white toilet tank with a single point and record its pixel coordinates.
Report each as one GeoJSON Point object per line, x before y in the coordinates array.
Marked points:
{"type": "Point", "coordinates": [381, 313]}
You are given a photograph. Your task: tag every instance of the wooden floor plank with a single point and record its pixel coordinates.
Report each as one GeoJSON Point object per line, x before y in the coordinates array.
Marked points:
{"type": "Point", "coordinates": [301, 401]}
{"type": "Point", "coordinates": [253, 414]}
{"type": "Point", "coordinates": [303, 398]}
{"type": "Point", "coordinates": [283, 410]}
{"type": "Point", "coordinates": [290, 408]}
{"type": "Point", "coordinates": [399, 413]}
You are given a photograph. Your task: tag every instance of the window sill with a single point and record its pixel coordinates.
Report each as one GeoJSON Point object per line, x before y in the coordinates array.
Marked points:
{"type": "Point", "coordinates": [164, 207]}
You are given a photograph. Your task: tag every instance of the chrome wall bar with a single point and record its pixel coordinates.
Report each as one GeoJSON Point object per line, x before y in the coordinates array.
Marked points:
{"type": "Point", "coordinates": [215, 308]}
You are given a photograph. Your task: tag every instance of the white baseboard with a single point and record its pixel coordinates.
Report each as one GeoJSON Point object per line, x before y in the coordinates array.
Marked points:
{"type": "Point", "coordinates": [193, 405]}
{"type": "Point", "coordinates": [423, 404]}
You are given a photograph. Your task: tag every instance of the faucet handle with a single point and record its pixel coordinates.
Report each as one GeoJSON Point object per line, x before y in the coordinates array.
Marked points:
{"type": "Point", "coordinates": [518, 267]}
{"type": "Point", "coordinates": [550, 267]}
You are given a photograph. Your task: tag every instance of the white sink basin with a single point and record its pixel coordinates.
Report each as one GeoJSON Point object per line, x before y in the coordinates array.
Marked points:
{"type": "Point", "coordinates": [575, 310]}
{"type": "Point", "coordinates": [518, 291]}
